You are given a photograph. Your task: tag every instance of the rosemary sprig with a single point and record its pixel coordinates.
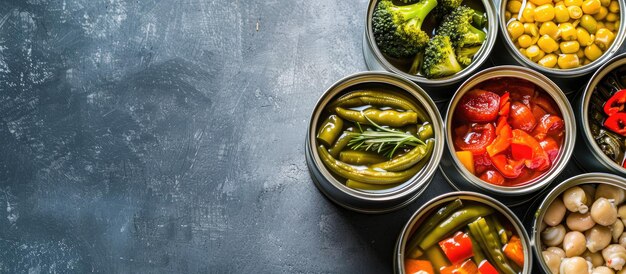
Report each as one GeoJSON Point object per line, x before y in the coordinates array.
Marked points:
{"type": "Point", "coordinates": [382, 140]}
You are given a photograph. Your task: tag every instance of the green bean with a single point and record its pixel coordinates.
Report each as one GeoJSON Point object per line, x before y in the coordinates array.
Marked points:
{"type": "Point", "coordinates": [330, 130]}
{"type": "Point", "coordinates": [425, 131]}
{"type": "Point", "coordinates": [357, 157]}
{"type": "Point", "coordinates": [365, 186]}
{"type": "Point", "coordinates": [407, 160]}
{"type": "Point", "coordinates": [380, 98]}
{"type": "Point", "coordinates": [499, 229]}
{"type": "Point", "coordinates": [341, 142]}
{"type": "Point", "coordinates": [429, 224]}
{"type": "Point", "coordinates": [457, 220]}
{"type": "Point", "coordinates": [381, 117]}
{"type": "Point", "coordinates": [480, 230]}
{"type": "Point", "coordinates": [437, 258]}
{"type": "Point", "coordinates": [364, 175]}
{"type": "Point", "coordinates": [479, 256]}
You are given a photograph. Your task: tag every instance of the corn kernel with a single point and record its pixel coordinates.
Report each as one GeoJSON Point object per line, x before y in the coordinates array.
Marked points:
{"type": "Point", "coordinates": [610, 26]}
{"type": "Point", "coordinates": [612, 17]}
{"type": "Point", "coordinates": [589, 23]}
{"type": "Point", "coordinates": [574, 12]}
{"type": "Point", "coordinates": [604, 38]}
{"type": "Point", "coordinates": [591, 6]}
{"type": "Point", "coordinates": [593, 52]}
{"type": "Point", "coordinates": [541, 2]}
{"type": "Point", "coordinates": [568, 31]}
{"type": "Point", "coordinates": [514, 6]}
{"type": "Point", "coordinates": [529, 13]}
{"type": "Point", "coordinates": [580, 53]}
{"type": "Point", "coordinates": [561, 14]}
{"type": "Point", "coordinates": [547, 44]}
{"type": "Point", "coordinates": [515, 29]}
{"type": "Point", "coordinates": [616, 25]}
{"type": "Point", "coordinates": [568, 61]}
{"type": "Point", "coordinates": [601, 14]}
{"type": "Point", "coordinates": [531, 29]}
{"type": "Point", "coordinates": [583, 37]}
{"type": "Point", "coordinates": [548, 61]}
{"type": "Point", "coordinates": [586, 61]}
{"type": "Point", "coordinates": [544, 13]}
{"type": "Point", "coordinates": [614, 6]}
{"type": "Point", "coordinates": [573, 2]}
{"type": "Point", "coordinates": [605, 3]}
{"type": "Point", "coordinates": [599, 25]}
{"type": "Point", "coordinates": [522, 51]}
{"type": "Point", "coordinates": [569, 47]}
{"type": "Point", "coordinates": [538, 57]}
{"type": "Point", "coordinates": [525, 41]}
{"type": "Point", "coordinates": [507, 15]}
{"type": "Point", "coordinates": [532, 51]}
{"type": "Point", "coordinates": [549, 28]}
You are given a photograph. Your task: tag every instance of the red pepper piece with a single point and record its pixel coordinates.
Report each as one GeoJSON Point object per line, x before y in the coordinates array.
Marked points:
{"type": "Point", "coordinates": [479, 106]}
{"type": "Point", "coordinates": [551, 147]}
{"type": "Point", "coordinates": [457, 248]}
{"type": "Point", "coordinates": [521, 117]}
{"type": "Point", "coordinates": [509, 168]}
{"type": "Point", "coordinates": [538, 158]}
{"type": "Point", "coordinates": [515, 251]}
{"type": "Point", "coordinates": [493, 177]}
{"type": "Point", "coordinates": [481, 163]}
{"type": "Point", "coordinates": [505, 104]}
{"type": "Point", "coordinates": [538, 111]}
{"type": "Point", "coordinates": [486, 268]}
{"type": "Point", "coordinates": [412, 266]}
{"type": "Point", "coordinates": [548, 125]}
{"type": "Point", "coordinates": [616, 103]}
{"type": "Point", "coordinates": [616, 123]}
{"type": "Point", "coordinates": [467, 267]}
{"type": "Point", "coordinates": [521, 152]}
{"type": "Point", "coordinates": [474, 138]}
{"type": "Point", "coordinates": [546, 104]}
{"type": "Point", "coordinates": [503, 138]}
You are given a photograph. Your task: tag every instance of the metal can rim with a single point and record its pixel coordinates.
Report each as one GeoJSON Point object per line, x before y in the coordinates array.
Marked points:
{"type": "Point", "coordinates": [562, 73]}
{"type": "Point", "coordinates": [463, 195]}
{"type": "Point", "coordinates": [421, 179]}
{"type": "Point", "coordinates": [613, 63]}
{"type": "Point", "coordinates": [587, 178]}
{"type": "Point", "coordinates": [482, 55]}
{"type": "Point", "coordinates": [559, 98]}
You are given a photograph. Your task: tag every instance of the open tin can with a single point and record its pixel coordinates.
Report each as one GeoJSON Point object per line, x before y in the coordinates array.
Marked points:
{"type": "Point", "coordinates": [539, 223]}
{"type": "Point", "coordinates": [593, 137]}
{"type": "Point", "coordinates": [438, 89]}
{"type": "Point", "coordinates": [434, 205]}
{"type": "Point", "coordinates": [462, 179]}
{"type": "Point", "coordinates": [372, 201]}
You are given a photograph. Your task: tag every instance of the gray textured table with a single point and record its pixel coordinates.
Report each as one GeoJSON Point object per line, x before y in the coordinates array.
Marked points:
{"type": "Point", "coordinates": [167, 136]}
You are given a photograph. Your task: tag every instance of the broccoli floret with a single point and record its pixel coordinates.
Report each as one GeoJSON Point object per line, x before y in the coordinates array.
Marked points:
{"type": "Point", "coordinates": [445, 7]}
{"type": "Point", "coordinates": [458, 25]}
{"type": "Point", "coordinates": [398, 29]}
{"type": "Point", "coordinates": [439, 58]}
{"type": "Point", "coordinates": [465, 55]}
{"type": "Point", "coordinates": [416, 66]}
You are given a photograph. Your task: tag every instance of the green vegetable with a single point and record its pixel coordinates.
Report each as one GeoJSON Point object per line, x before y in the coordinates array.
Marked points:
{"type": "Point", "coordinates": [382, 117]}
{"type": "Point", "coordinates": [436, 257]}
{"type": "Point", "coordinates": [382, 140]}
{"type": "Point", "coordinates": [479, 256]}
{"type": "Point", "coordinates": [439, 58]}
{"type": "Point", "coordinates": [355, 157]}
{"type": "Point", "coordinates": [341, 142]}
{"type": "Point", "coordinates": [330, 130]}
{"type": "Point", "coordinates": [466, 54]}
{"type": "Point", "coordinates": [416, 66]}
{"type": "Point", "coordinates": [364, 175]}
{"type": "Point", "coordinates": [379, 98]}
{"type": "Point", "coordinates": [484, 236]}
{"type": "Point", "coordinates": [499, 229]}
{"type": "Point", "coordinates": [445, 7]}
{"type": "Point", "coordinates": [457, 220]}
{"type": "Point", "coordinates": [425, 132]}
{"type": "Point", "coordinates": [398, 29]}
{"type": "Point", "coordinates": [458, 26]}
{"type": "Point", "coordinates": [405, 161]}
{"type": "Point", "coordinates": [365, 186]}
{"type": "Point", "coordinates": [429, 224]}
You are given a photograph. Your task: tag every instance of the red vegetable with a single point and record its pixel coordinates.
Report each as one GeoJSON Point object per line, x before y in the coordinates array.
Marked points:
{"type": "Point", "coordinates": [538, 111]}
{"type": "Point", "coordinates": [493, 177]}
{"type": "Point", "coordinates": [509, 168]}
{"type": "Point", "coordinates": [546, 104]}
{"type": "Point", "coordinates": [479, 106]}
{"type": "Point", "coordinates": [503, 138]}
{"type": "Point", "coordinates": [616, 123]}
{"type": "Point", "coordinates": [521, 144]}
{"type": "Point", "coordinates": [521, 117]}
{"type": "Point", "coordinates": [505, 104]}
{"type": "Point", "coordinates": [486, 268]}
{"type": "Point", "coordinates": [521, 152]}
{"type": "Point", "coordinates": [514, 250]}
{"type": "Point", "coordinates": [457, 248]}
{"type": "Point", "coordinates": [467, 267]}
{"type": "Point", "coordinates": [616, 103]}
{"type": "Point", "coordinates": [521, 90]}
{"type": "Point", "coordinates": [551, 147]}
{"type": "Point", "coordinates": [412, 266]}
{"type": "Point", "coordinates": [474, 138]}
{"type": "Point", "coordinates": [481, 163]}
{"type": "Point", "coordinates": [548, 125]}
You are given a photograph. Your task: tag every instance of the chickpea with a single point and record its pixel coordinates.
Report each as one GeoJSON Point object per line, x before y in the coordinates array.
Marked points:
{"type": "Point", "coordinates": [553, 235]}
{"type": "Point", "coordinates": [549, 28]}
{"type": "Point", "coordinates": [548, 61]}
{"type": "Point", "coordinates": [584, 39]}
{"type": "Point", "coordinates": [622, 239]}
{"type": "Point", "coordinates": [557, 250]}
{"type": "Point", "coordinates": [515, 29]}
{"type": "Point", "coordinates": [561, 13]}
{"type": "Point", "coordinates": [575, 265]}
{"type": "Point", "coordinates": [594, 258]}
{"type": "Point", "coordinates": [573, 2]}
{"type": "Point", "coordinates": [590, 24]}
{"type": "Point", "coordinates": [601, 14]}
{"type": "Point", "coordinates": [593, 52]}
{"type": "Point", "coordinates": [514, 6]}
{"type": "Point", "coordinates": [621, 211]}
{"type": "Point", "coordinates": [590, 189]}
{"type": "Point", "coordinates": [615, 256]}
{"type": "Point", "coordinates": [568, 31]}
{"type": "Point", "coordinates": [616, 230]}
{"type": "Point", "coordinates": [598, 237]}
{"type": "Point", "coordinates": [602, 270]}
{"type": "Point", "coordinates": [614, 6]}
{"type": "Point", "coordinates": [575, 198]}
{"type": "Point", "coordinates": [604, 212]}
{"type": "Point", "coordinates": [548, 45]}
{"type": "Point", "coordinates": [556, 210]}
{"type": "Point", "coordinates": [610, 192]}
{"type": "Point", "coordinates": [552, 260]}
{"type": "Point", "coordinates": [574, 244]}
{"type": "Point", "coordinates": [524, 41]}
{"type": "Point", "coordinates": [591, 6]}
{"type": "Point", "coordinates": [569, 47]}
{"type": "Point", "coordinates": [575, 12]}
{"type": "Point", "coordinates": [579, 222]}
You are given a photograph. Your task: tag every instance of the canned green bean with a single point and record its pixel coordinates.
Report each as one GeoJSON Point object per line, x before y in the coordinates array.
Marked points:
{"type": "Point", "coordinates": [378, 167]}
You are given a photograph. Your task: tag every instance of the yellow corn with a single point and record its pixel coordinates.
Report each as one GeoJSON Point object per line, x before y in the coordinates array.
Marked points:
{"type": "Point", "coordinates": [515, 29]}
{"type": "Point", "coordinates": [568, 61]}
{"type": "Point", "coordinates": [544, 13]}
{"type": "Point", "coordinates": [522, 51]}
{"type": "Point", "coordinates": [574, 12]}
{"type": "Point", "coordinates": [538, 57]}
{"type": "Point", "coordinates": [599, 25]}
{"type": "Point", "coordinates": [573, 2]}
{"type": "Point", "coordinates": [532, 51]}
{"type": "Point", "coordinates": [531, 29]}
{"type": "Point", "coordinates": [561, 14]}
{"type": "Point", "coordinates": [507, 15]}
{"type": "Point", "coordinates": [547, 44]}
{"type": "Point", "coordinates": [529, 13]}
{"type": "Point", "coordinates": [548, 61]}
{"type": "Point", "coordinates": [514, 6]}
{"type": "Point", "coordinates": [604, 38]}
{"type": "Point", "coordinates": [612, 17]}
{"type": "Point", "coordinates": [616, 25]}
{"type": "Point", "coordinates": [605, 3]}
{"type": "Point", "coordinates": [614, 6]}
{"type": "Point", "coordinates": [589, 23]}
{"type": "Point", "coordinates": [591, 6]}
{"type": "Point", "coordinates": [601, 14]}
{"type": "Point", "coordinates": [541, 2]}
{"type": "Point", "coordinates": [586, 61]}
{"type": "Point", "coordinates": [580, 53]}
{"type": "Point", "coordinates": [610, 26]}
{"type": "Point", "coordinates": [583, 37]}
{"type": "Point", "coordinates": [569, 47]}
{"type": "Point", "coordinates": [525, 41]}
{"type": "Point", "coordinates": [549, 28]}
{"type": "Point", "coordinates": [568, 32]}
{"type": "Point", "coordinates": [593, 52]}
